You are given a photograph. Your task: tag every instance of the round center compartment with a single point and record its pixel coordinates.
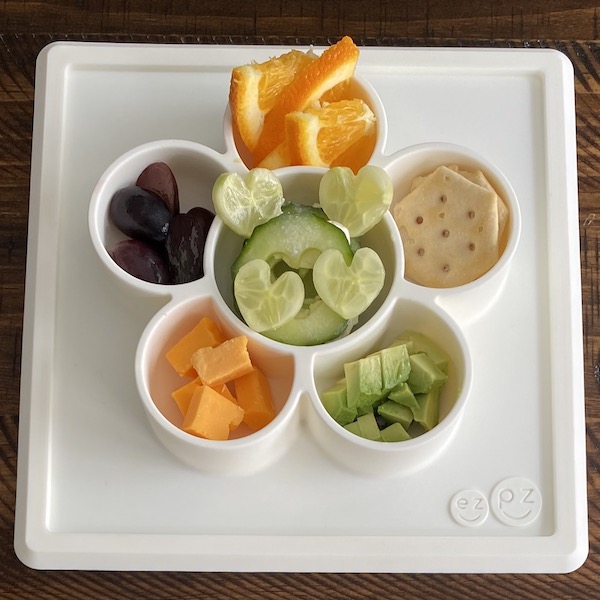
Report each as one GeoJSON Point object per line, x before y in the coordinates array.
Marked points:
{"type": "Point", "coordinates": [305, 238]}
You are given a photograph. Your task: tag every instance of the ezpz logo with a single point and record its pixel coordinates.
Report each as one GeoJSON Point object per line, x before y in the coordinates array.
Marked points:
{"type": "Point", "coordinates": [515, 501]}
{"type": "Point", "coordinates": [469, 508]}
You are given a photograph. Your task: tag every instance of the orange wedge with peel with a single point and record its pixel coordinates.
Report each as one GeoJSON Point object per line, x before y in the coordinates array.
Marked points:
{"type": "Point", "coordinates": [341, 91]}
{"type": "Point", "coordinates": [335, 64]}
{"type": "Point", "coordinates": [280, 157]}
{"type": "Point", "coordinates": [255, 87]}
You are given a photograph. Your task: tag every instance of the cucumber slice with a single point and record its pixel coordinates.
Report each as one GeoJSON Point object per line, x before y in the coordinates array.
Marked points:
{"type": "Point", "coordinates": [298, 238]}
{"type": "Point", "coordinates": [313, 325]}
{"type": "Point", "coordinates": [294, 208]}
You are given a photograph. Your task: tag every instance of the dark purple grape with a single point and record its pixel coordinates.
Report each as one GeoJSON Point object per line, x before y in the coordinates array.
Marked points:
{"type": "Point", "coordinates": [203, 216]}
{"type": "Point", "coordinates": [158, 178]}
{"type": "Point", "coordinates": [141, 260]}
{"type": "Point", "coordinates": [140, 214]}
{"type": "Point", "coordinates": [185, 244]}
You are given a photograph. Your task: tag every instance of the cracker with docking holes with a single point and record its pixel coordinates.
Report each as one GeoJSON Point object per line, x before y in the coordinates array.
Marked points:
{"type": "Point", "coordinates": [479, 178]}
{"type": "Point", "coordinates": [450, 229]}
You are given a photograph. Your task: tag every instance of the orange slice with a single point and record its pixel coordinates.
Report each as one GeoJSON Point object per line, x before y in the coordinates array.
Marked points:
{"type": "Point", "coordinates": [336, 64]}
{"type": "Point", "coordinates": [317, 136]}
{"type": "Point", "coordinates": [280, 157]}
{"type": "Point", "coordinates": [254, 88]}
{"type": "Point", "coordinates": [341, 91]}
{"type": "Point", "coordinates": [359, 154]}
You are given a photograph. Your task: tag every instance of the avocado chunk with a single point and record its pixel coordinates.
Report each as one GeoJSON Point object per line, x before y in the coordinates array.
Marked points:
{"type": "Point", "coordinates": [368, 427]}
{"type": "Point", "coordinates": [428, 414]}
{"type": "Point", "coordinates": [402, 394]}
{"type": "Point", "coordinates": [424, 374]}
{"type": "Point", "coordinates": [396, 413]}
{"type": "Point", "coordinates": [369, 379]}
{"type": "Point", "coordinates": [394, 433]}
{"type": "Point", "coordinates": [364, 409]}
{"type": "Point", "coordinates": [395, 365]}
{"type": "Point", "coordinates": [353, 428]}
{"type": "Point", "coordinates": [419, 342]}
{"type": "Point", "coordinates": [364, 381]}
{"type": "Point", "coordinates": [335, 401]}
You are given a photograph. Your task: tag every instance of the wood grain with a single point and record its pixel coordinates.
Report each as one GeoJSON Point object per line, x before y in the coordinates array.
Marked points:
{"type": "Point", "coordinates": [26, 27]}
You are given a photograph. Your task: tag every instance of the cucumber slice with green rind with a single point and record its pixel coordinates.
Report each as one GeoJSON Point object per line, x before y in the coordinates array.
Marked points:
{"type": "Point", "coordinates": [294, 208]}
{"type": "Point", "coordinates": [314, 325]}
{"type": "Point", "coordinates": [296, 238]}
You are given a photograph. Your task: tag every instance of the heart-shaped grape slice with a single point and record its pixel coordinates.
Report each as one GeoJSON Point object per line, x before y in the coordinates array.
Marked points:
{"type": "Point", "coordinates": [265, 302]}
{"type": "Point", "coordinates": [358, 201]}
{"type": "Point", "coordinates": [349, 290]}
{"type": "Point", "coordinates": [245, 202]}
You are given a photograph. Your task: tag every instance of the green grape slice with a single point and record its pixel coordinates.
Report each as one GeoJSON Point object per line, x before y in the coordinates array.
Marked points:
{"type": "Point", "coordinates": [243, 203]}
{"type": "Point", "coordinates": [265, 302]}
{"type": "Point", "coordinates": [349, 290]}
{"type": "Point", "coordinates": [358, 201]}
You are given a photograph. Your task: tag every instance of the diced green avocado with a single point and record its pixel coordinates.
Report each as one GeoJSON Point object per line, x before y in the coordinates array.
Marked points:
{"type": "Point", "coordinates": [368, 427]}
{"type": "Point", "coordinates": [363, 380]}
{"type": "Point", "coordinates": [395, 365]}
{"type": "Point", "coordinates": [335, 402]}
{"type": "Point", "coordinates": [364, 409]}
{"type": "Point", "coordinates": [403, 342]}
{"type": "Point", "coordinates": [424, 375]}
{"type": "Point", "coordinates": [396, 413]}
{"type": "Point", "coordinates": [422, 343]}
{"type": "Point", "coordinates": [353, 428]}
{"type": "Point", "coordinates": [402, 394]}
{"type": "Point", "coordinates": [394, 433]}
{"type": "Point", "coordinates": [428, 414]}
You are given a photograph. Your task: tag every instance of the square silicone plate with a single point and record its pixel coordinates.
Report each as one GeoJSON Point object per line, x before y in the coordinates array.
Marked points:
{"type": "Point", "coordinates": [95, 488]}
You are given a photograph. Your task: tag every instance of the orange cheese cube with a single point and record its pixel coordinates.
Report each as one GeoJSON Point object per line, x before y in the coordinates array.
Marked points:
{"type": "Point", "coordinates": [205, 334]}
{"type": "Point", "coordinates": [253, 394]}
{"type": "Point", "coordinates": [223, 363]}
{"type": "Point", "coordinates": [211, 415]}
{"type": "Point", "coordinates": [225, 391]}
{"type": "Point", "coordinates": [183, 395]}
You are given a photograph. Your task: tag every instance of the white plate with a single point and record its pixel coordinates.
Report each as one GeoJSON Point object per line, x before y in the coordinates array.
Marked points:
{"type": "Point", "coordinates": [96, 490]}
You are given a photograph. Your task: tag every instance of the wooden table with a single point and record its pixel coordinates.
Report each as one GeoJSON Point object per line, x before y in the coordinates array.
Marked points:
{"type": "Point", "coordinates": [25, 28]}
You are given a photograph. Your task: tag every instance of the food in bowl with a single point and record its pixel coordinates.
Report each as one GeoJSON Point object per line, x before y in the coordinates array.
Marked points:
{"type": "Point", "coordinates": [224, 388]}
{"type": "Point", "coordinates": [302, 276]}
{"type": "Point", "coordinates": [453, 225]}
{"type": "Point", "coordinates": [163, 245]}
{"type": "Point", "coordinates": [393, 394]}
{"type": "Point", "coordinates": [302, 109]}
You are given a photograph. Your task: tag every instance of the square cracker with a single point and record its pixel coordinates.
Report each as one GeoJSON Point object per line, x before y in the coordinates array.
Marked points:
{"type": "Point", "coordinates": [479, 178]}
{"type": "Point", "coordinates": [449, 229]}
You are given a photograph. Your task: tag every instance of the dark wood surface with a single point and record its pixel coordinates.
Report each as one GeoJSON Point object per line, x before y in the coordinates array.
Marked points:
{"type": "Point", "coordinates": [26, 27]}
